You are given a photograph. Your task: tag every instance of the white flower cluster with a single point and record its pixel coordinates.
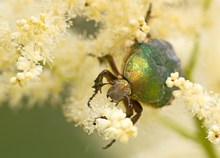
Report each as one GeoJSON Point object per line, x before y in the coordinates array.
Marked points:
{"type": "Point", "coordinates": [141, 28]}
{"type": "Point", "coordinates": [201, 103]}
{"type": "Point", "coordinates": [108, 121]}
{"type": "Point", "coordinates": [121, 23]}
{"type": "Point", "coordinates": [115, 125]}
{"type": "Point", "coordinates": [138, 29]}
{"type": "Point", "coordinates": [34, 39]}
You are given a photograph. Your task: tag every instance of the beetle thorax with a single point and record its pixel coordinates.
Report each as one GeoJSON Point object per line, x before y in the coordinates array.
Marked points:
{"type": "Point", "coordinates": [120, 89]}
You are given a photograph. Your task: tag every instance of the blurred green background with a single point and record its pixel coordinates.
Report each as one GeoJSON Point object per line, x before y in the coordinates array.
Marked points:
{"type": "Point", "coordinates": [43, 132]}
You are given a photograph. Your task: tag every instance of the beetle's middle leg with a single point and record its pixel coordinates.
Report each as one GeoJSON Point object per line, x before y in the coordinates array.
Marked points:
{"type": "Point", "coordinates": [99, 82]}
{"type": "Point", "coordinates": [129, 113]}
{"type": "Point", "coordinates": [136, 106]}
{"type": "Point", "coordinates": [130, 105]}
{"type": "Point", "coordinates": [128, 109]}
{"type": "Point", "coordinates": [138, 109]}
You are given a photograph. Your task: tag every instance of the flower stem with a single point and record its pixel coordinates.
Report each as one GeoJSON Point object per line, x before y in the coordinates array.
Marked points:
{"type": "Point", "coordinates": [193, 59]}
{"type": "Point", "coordinates": [178, 128]}
{"type": "Point", "coordinates": [206, 4]}
{"type": "Point", "coordinates": [201, 138]}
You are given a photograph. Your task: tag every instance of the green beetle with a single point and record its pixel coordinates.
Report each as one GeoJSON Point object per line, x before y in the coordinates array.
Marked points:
{"type": "Point", "coordinates": [143, 78]}
{"type": "Point", "coordinates": [147, 69]}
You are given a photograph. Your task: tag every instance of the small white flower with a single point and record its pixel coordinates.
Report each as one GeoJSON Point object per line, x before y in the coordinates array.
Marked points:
{"type": "Point", "coordinates": [15, 35]}
{"type": "Point", "coordinates": [33, 20]}
{"type": "Point", "coordinates": [145, 28]}
{"type": "Point", "coordinates": [26, 27]}
{"type": "Point", "coordinates": [133, 22]}
{"type": "Point", "coordinates": [36, 71]}
{"type": "Point", "coordinates": [169, 82]}
{"type": "Point", "coordinates": [28, 76]}
{"type": "Point", "coordinates": [141, 20]}
{"type": "Point", "coordinates": [179, 82]}
{"type": "Point", "coordinates": [140, 36]}
{"type": "Point", "coordinates": [102, 124]}
{"type": "Point", "coordinates": [20, 76]}
{"type": "Point", "coordinates": [13, 80]}
{"type": "Point", "coordinates": [214, 134]}
{"type": "Point", "coordinates": [21, 22]}
{"type": "Point", "coordinates": [174, 75]}
{"type": "Point", "coordinates": [23, 64]}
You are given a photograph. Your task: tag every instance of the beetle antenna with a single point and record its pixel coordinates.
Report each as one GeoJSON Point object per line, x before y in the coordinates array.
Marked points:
{"type": "Point", "coordinates": [110, 144]}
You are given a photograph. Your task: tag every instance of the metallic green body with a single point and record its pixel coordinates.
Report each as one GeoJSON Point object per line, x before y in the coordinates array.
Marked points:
{"type": "Point", "coordinates": [147, 70]}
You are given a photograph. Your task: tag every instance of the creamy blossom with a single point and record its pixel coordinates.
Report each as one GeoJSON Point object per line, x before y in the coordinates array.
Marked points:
{"type": "Point", "coordinates": [108, 121]}
{"type": "Point", "coordinates": [34, 39]}
{"type": "Point", "coordinates": [203, 104]}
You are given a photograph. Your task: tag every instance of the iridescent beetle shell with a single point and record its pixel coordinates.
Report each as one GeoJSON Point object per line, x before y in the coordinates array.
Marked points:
{"type": "Point", "coordinates": [147, 69]}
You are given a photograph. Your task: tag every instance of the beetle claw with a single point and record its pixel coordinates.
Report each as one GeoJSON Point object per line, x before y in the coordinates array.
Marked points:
{"type": "Point", "coordinates": [117, 104]}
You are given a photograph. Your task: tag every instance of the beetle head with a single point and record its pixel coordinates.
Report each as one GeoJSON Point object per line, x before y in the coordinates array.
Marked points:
{"type": "Point", "coordinates": [119, 90]}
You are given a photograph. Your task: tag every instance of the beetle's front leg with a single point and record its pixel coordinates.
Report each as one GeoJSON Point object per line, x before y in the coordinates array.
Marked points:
{"type": "Point", "coordinates": [99, 82]}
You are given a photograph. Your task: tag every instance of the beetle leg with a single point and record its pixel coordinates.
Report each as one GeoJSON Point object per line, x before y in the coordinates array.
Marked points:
{"type": "Point", "coordinates": [113, 141]}
{"type": "Point", "coordinates": [110, 144]}
{"type": "Point", "coordinates": [110, 61]}
{"type": "Point", "coordinates": [129, 109]}
{"type": "Point", "coordinates": [117, 103]}
{"type": "Point", "coordinates": [129, 112]}
{"type": "Point", "coordinates": [99, 82]}
{"type": "Point", "coordinates": [138, 109]}
{"type": "Point", "coordinates": [100, 117]}
{"type": "Point", "coordinates": [128, 101]}
{"type": "Point", "coordinates": [136, 106]}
